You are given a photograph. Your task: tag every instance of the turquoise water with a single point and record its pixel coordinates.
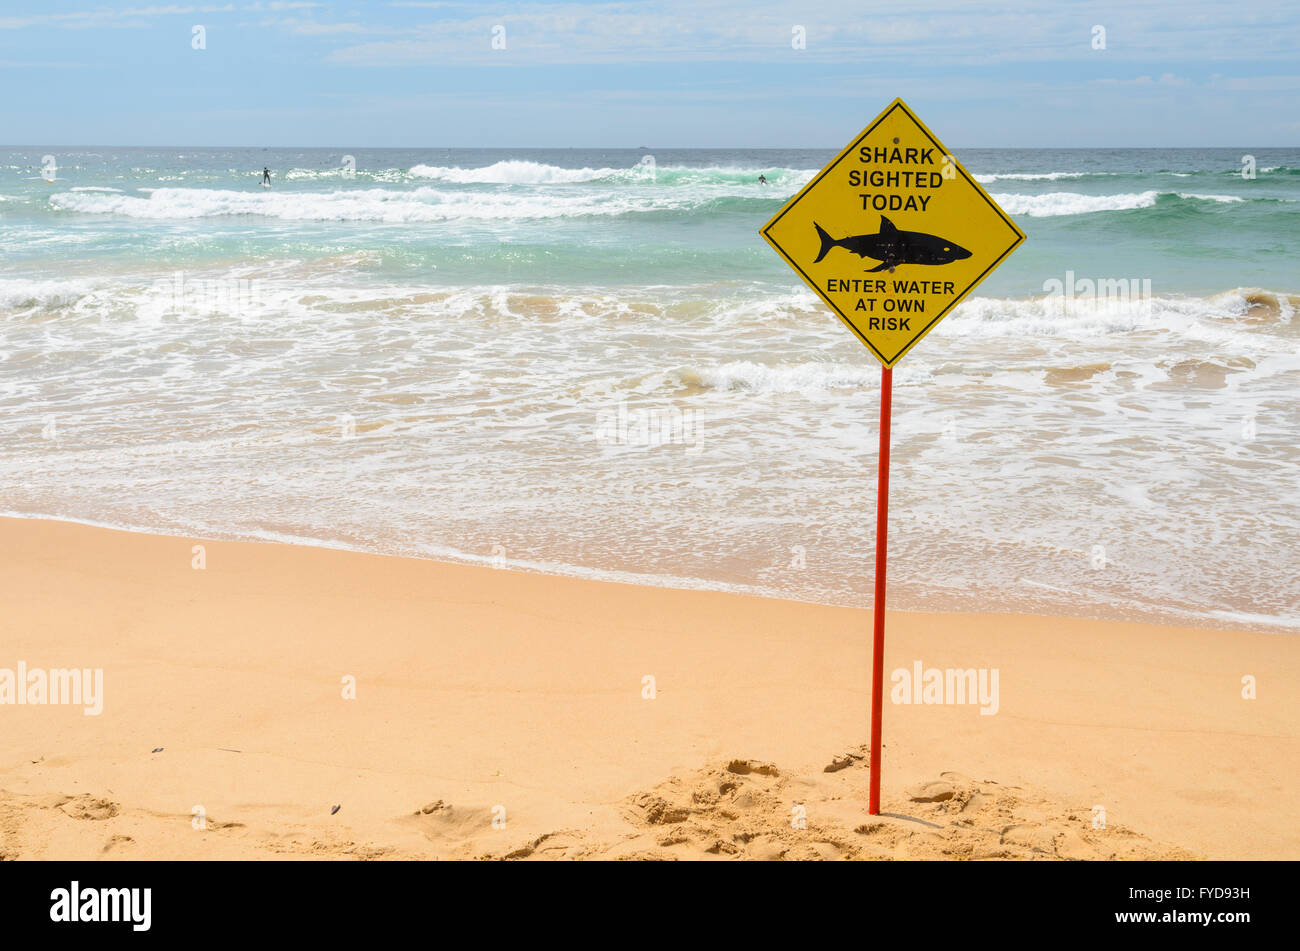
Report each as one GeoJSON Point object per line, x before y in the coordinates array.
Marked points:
{"type": "Point", "coordinates": [588, 362]}
{"type": "Point", "coordinates": [1185, 219]}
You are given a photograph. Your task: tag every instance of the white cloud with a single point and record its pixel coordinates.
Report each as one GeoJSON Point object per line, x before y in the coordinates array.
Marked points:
{"type": "Point", "coordinates": [936, 35]}
{"type": "Point", "coordinates": [105, 17]}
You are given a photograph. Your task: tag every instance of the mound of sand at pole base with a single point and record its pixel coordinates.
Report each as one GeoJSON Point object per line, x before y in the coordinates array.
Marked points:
{"type": "Point", "coordinates": [746, 809]}
{"type": "Point", "coordinates": [739, 809]}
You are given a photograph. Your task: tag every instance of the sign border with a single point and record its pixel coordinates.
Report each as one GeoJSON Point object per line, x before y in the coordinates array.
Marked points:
{"type": "Point", "coordinates": [898, 103]}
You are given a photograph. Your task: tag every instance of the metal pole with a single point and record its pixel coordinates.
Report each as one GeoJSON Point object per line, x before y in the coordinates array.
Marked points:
{"type": "Point", "coordinates": [882, 525]}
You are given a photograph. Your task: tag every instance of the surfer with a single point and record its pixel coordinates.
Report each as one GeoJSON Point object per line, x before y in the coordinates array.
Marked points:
{"type": "Point", "coordinates": [762, 179]}
{"type": "Point", "coordinates": [266, 175]}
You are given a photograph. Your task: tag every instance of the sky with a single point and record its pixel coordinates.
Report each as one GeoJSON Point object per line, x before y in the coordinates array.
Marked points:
{"type": "Point", "coordinates": [655, 73]}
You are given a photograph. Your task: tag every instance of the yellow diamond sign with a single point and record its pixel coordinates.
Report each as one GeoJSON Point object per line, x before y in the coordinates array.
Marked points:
{"type": "Point", "coordinates": [893, 233]}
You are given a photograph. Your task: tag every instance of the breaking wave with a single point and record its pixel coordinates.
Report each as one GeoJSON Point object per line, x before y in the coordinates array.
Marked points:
{"type": "Point", "coordinates": [374, 204]}
{"type": "Point", "coordinates": [1052, 204]}
{"type": "Point", "coordinates": [1036, 176]}
{"type": "Point", "coordinates": [512, 173]}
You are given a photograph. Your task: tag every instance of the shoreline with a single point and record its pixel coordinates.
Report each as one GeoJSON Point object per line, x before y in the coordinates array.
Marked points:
{"type": "Point", "coordinates": [480, 689]}
{"type": "Point", "coordinates": [1168, 616]}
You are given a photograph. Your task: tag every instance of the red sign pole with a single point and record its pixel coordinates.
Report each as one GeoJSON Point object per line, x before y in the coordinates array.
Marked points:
{"type": "Point", "coordinates": [882, 525]}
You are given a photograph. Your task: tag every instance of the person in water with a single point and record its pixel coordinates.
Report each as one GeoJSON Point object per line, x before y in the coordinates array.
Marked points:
{"type": "Point", "coordinates": [762, 179]}
{"type": "Point", "coordinates": [266, 175]}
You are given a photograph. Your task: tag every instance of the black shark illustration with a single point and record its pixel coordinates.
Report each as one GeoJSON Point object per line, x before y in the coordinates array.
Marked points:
{"type": "Point", "coordinates": [892, 247]}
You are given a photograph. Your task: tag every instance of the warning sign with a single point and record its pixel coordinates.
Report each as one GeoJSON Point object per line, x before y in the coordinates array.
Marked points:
{"type": "Point", "coordinates": [893, 233]}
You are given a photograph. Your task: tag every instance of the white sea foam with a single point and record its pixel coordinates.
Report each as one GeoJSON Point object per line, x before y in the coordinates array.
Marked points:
{"type": "Point", "coordinates": [512, 172]}
{"type": "Point", "coordinates": [803, 378]}
{"type": "Point", "coordinates": [449, 390]}
{"type": "Point", "coordinates": [1225, 199]}
{"type": "Point", "coordinates": [1034, 176]}
{"type": "Point", "coordinates": [1085, 318]}
{"type": "Point", "coordinates": [425, 204]}
{"type": "Point", "coordinates": [519, 172]}
{"type": "Point", "coordinates": [25, 293]}
{"type": "Point", "coordinates": [519, 190]}
{"type": "Point", "coordinates": [1053, 204]}
{"type": "Point", "coordinates": [422, 204]}
{"type": "Point", "coordinates": [1072, 203]}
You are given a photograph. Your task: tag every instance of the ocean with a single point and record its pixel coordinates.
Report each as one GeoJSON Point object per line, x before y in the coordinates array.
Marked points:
{"type": "Point", "coordinates": [587, 362]}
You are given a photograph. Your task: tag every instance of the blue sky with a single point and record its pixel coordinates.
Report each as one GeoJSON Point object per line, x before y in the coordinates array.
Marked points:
{"type": "Point", "coordinates": [682, 73]}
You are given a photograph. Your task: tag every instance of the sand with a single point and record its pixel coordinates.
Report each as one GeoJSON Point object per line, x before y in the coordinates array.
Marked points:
{"type": "Point", "coordinates": [500, 714]}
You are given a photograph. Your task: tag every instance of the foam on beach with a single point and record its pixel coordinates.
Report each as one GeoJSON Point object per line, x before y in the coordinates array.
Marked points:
{"type": "Point", "coordinates": [633, 448]}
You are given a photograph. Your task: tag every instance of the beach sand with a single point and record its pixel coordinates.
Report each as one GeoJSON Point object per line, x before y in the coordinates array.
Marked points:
{"type": "Point", "coordinates": [487, 695]}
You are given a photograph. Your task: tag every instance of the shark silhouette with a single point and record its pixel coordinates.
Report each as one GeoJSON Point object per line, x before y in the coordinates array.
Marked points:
{"type": "Point", "coordinates": [892, 247]}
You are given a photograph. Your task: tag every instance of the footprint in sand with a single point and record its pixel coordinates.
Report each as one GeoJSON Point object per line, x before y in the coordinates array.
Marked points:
{"type": "Point", "coordinates": [551, 845]}
{"type": "Point", "coordinates": [931, 792]}
{"type": "Point", "coordinates": [446, 823]}
{"type": "Point", "coordinates": [88, 807]}
{"type": "Point", "coordinates": [656, 810]}
{"type": "Point", "coordinates": [116, 842]}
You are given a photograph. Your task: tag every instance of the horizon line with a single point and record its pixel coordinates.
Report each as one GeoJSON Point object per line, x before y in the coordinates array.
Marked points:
{"type": "Point", "coordinates": [627, 148]}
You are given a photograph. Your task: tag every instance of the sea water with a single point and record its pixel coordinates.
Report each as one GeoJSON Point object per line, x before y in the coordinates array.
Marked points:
{"type": "Point", "coordinates": [588, 362]}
